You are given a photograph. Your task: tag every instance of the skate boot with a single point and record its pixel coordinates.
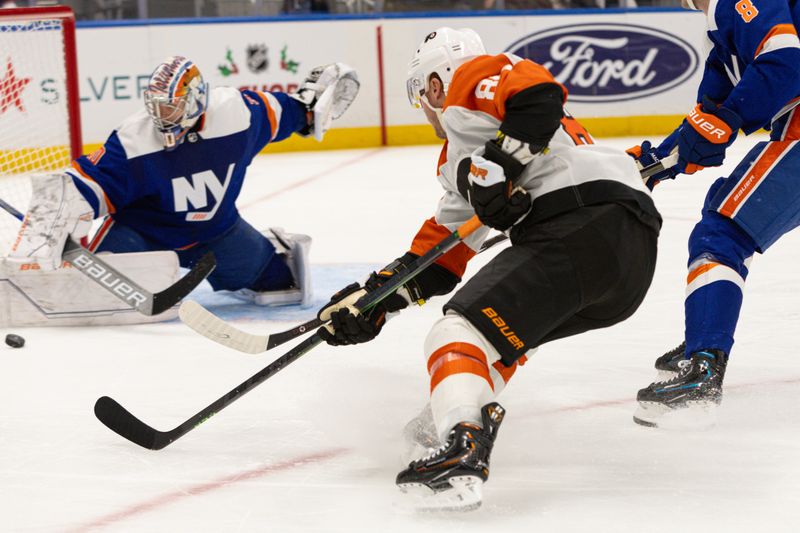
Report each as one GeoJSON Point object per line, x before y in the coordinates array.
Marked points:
{"type": "Point", "coordinates": [687, 400]}
{"type": "Point", "coordinates": [669, 364]}
{"type": "Point", "coordinates": [451, 478]}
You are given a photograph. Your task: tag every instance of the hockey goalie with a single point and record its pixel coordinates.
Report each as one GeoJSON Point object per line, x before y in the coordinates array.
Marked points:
{"type": "Point", "coordinates": [164, 185]}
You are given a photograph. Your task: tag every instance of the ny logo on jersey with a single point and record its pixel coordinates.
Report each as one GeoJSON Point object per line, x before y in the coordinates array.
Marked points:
{"type": "Point", "coordinates": [196, 192]}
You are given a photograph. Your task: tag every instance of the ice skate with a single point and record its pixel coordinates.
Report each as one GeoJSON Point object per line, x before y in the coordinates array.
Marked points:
{"type": "Point", "coordinates": [451, 478]}
{"type": "Point", "coordinates": [671, 363]}
{"type": "Point", "coordinates": [687, 400]}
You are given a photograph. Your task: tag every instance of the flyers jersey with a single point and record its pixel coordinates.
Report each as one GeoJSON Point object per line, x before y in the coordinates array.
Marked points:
{"type": "Point", "coordinates": [574, 172]}
{"type": "Point", "coordinates": [187, 195]}
{"type": "Point", "coordinates": [754, 66]}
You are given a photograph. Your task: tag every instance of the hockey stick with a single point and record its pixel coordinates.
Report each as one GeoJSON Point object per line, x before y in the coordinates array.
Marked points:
{"type": "Point", "coordinates": [123, 287]}
{"type": "Point", "coordinates": [121, 421]}
{"type": "Point", "coordinates": [212, 327]}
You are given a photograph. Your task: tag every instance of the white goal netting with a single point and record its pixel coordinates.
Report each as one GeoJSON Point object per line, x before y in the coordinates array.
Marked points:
{"type": "Point", "coordinates": [34, 113]}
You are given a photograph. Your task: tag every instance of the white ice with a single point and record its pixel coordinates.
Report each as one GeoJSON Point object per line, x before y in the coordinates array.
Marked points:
{"type": "Point", "coordinates": [315, 448]}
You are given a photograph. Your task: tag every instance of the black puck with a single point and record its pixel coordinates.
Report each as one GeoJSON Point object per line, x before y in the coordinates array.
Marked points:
{"type": "Point", "coordinates": [15, 341]}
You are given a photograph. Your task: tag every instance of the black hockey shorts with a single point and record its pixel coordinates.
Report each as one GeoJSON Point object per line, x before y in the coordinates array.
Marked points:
{"type": "Point", "coordinates": [585, 269]}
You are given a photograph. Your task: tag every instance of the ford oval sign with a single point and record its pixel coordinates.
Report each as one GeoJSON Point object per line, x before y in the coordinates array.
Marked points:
{"type": "Point", "coordinates": [610, 62]}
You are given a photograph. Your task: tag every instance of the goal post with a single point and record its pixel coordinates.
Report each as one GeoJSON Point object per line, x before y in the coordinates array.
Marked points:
{"type": "Point", "coordinates": [40, 127]}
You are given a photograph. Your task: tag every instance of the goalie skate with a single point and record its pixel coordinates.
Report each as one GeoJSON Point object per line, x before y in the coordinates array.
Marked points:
{"type": "Point", "coordinates": [452, 477]}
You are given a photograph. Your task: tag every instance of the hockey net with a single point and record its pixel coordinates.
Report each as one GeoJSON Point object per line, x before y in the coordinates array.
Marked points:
{"type": "Point", "coordinates": [39, 103]}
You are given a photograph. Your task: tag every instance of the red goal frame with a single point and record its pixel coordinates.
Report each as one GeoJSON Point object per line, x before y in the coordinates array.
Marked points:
{"type": "Point", "coordinates": [70, 62]}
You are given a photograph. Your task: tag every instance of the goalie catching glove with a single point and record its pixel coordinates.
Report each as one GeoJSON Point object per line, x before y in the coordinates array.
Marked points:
{"type": "Point", "coordinates": [326, 93]}
{"type": "Point", "coordinates": [493, 171]}
{"type": "Point", "coordinates": [56, 211]}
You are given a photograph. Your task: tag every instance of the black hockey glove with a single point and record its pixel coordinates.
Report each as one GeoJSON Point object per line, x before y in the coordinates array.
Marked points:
{"type": "Point", "coordinates": [347, 324]}
{"type": "Point", "coordinates": [492, 192]}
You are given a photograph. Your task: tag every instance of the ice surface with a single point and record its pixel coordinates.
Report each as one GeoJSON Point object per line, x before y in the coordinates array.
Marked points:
{"type": "Point", "coordinates": [316, 447]}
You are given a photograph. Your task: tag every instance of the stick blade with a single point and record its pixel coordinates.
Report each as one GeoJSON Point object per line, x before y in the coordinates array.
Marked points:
{"type": "Point", "coordinates": [212, 327]}
{"type": "Point", "coordinates": [123, 423]}
{"type": "Point", "coordinates": [177, 291]}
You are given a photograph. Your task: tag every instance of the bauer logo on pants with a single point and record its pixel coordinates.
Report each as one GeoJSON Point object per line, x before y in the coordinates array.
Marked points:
{"type": "Point", "coordinates": [504, 328]}
{"type": "Point", "coordinates": [110, 280]}
{"type": "Point", "coordinates": [611, 62]}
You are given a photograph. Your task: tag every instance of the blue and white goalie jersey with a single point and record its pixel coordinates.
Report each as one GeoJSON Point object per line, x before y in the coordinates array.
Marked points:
{"type": "Point", "coordinates": [754, 67]}
{"type": "Point", "coordinates": [187, 195]}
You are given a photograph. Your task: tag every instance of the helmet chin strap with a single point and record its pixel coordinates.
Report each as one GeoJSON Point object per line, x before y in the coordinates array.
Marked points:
{"type": "Point", "coordinates": [691, 5]}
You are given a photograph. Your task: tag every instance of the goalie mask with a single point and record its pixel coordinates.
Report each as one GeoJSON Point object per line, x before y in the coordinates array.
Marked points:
{"type": "Point", "coordinates": [441, 53]}
{"type": "Point", "coordinates": [176, 97]}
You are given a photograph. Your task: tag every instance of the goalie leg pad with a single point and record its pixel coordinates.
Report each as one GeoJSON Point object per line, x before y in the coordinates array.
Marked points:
{"type": "Point", "coordinates": [295, 247]}
{"type": "Point", "coordinates": [30, 296]}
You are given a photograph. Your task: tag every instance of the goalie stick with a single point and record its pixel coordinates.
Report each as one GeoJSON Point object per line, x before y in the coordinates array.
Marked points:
{"type": "Point", "coordinates": [122, 422]}
{"type": "Point", "coordinates": [123, 287]}
{"type": "Point", "coordinates": [212, 327]}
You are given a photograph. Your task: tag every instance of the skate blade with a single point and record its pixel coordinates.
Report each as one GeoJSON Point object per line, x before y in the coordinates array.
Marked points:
{"type": "Point", "coordinates": [695, 416]}
{"type": "Point", "coordinates": [465, 495]}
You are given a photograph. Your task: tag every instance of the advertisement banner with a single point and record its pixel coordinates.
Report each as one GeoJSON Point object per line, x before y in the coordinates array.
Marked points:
{"type": "Point", "coordinates": [626, 72]}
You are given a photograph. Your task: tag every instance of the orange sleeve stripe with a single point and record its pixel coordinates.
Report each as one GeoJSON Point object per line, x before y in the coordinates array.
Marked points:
{"type": "Point", "coordinates": [273, 122]}
{"type": "Point", "coordinates": [778, 29]}
{"type": "Point", "coordinates": [458, 358]}
{"type": "Point", "coordinates": [432, 234]}
{"type": "Point", "coordinates": [109, 205]}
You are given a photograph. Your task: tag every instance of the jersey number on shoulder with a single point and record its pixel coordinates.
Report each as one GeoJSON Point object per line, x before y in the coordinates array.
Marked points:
{"type": "Point", "coordinates": [575, 130]}
{"type": "Point", "coordinates": [746, 10]}
{"type": "Point", "coordinates": [196, 192]}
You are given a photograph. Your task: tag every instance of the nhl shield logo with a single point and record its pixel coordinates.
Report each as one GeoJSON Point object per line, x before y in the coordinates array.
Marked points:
{"type": "Point", "coordinates": [257, 60]}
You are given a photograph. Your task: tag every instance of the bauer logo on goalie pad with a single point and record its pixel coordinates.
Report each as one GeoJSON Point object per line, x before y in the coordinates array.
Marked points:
{"type": "Point", "coordinates": [110, 280]}
{"type": "Point", "coordinates": [607, 62]}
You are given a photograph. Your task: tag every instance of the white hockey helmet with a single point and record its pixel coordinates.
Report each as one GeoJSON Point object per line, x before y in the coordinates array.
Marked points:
{"type": "Point", "coordinates": [441, 53]}
{"type": "Point", "coordinates": [176, 97]}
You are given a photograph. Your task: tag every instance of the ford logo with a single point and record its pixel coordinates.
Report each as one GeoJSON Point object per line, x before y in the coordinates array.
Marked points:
{"type": "Point", "coordinates": [610, 62]}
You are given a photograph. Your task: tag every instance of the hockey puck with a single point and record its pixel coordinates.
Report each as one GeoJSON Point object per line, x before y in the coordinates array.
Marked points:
{"type": "Point", "coordinates": [15, 341]}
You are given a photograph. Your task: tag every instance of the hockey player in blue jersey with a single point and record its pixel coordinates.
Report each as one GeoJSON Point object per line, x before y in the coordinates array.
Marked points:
{"type": "Point", "coordinates": [751, 81]}
{"type": "Point", "coordinates": [168, 177]}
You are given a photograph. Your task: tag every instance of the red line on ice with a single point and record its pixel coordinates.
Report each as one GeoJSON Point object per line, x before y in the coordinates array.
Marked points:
{"type": "Point", "coordinates": [221, 483]}
{"type": "Point", "coordinates": [309, 179]}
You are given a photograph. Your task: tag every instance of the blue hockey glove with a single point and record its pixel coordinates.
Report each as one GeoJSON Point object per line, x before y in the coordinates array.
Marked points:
{"type": "Point", "coordinates": [705, 135]}
{"type": "Point", "coordinates": [646, 154]}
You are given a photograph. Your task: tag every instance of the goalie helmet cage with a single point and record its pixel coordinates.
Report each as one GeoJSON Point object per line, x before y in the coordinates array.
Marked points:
{"type": "Point", "coordinates": [40, 127]}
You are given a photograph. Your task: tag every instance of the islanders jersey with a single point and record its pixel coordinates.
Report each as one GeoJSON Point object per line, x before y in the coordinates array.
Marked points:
{"type": "Point", "coordinates": [754, 66]}
{"type": "Point", "coordinates": [574, 172]}
{"type": "Point", "coordinates": [187, 195]}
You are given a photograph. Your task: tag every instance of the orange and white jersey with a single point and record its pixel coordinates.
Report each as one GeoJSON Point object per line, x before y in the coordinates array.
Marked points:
{"type": "Point", "coordinates": [473, 111]}
{"type": "Point", "coordinates": [574, 172]}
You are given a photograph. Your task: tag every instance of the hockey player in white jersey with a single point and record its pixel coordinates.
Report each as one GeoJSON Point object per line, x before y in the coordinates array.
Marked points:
{"type": "Point", "coordinates": [583, 230]}
{"type": "Point", "coordinates": [168, 177]}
